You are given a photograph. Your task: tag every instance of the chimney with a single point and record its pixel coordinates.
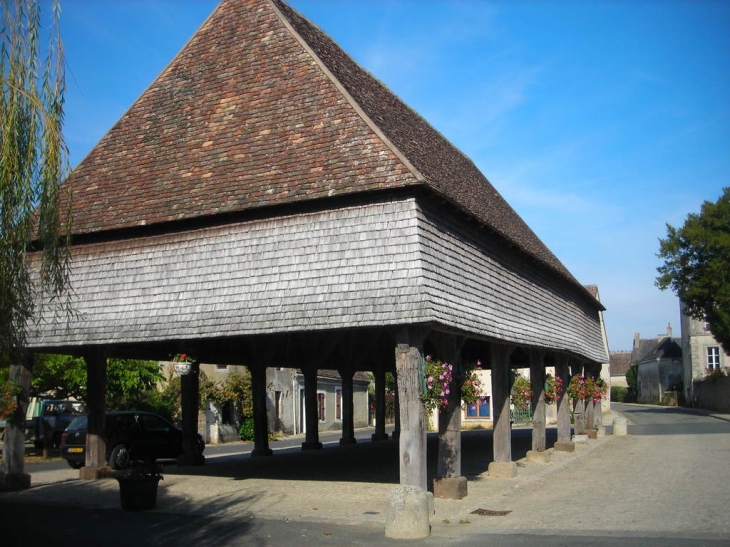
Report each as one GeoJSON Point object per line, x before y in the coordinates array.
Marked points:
{"type": "Point", "coordinates": [637, 339]}
{"type": "Point", "coordinates": [669, 330]}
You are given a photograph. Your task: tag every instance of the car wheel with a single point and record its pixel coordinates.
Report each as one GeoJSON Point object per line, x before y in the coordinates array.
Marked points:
{"type": "Point", "coordinates": [75, 465]}
{"type": "Point", "coordinates": [119, 457]}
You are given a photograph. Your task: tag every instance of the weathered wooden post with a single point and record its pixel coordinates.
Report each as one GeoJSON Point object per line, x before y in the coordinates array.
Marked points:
{"type": "Point", "coordinates": [260, 413]}
{"type": "Point", "coordinates": [502, 465]}
{"type": "Point", "coordinates": [12, 474]}
{"type": "Point", "coordinates": [564, 442]}
{"type": "Point", "coordinates": [379, 434]}
{"type": "Point", "coordinates": [576, 368]}
{"type": "Point", "coordinates": [348, 409]}
{"type": "Point", "coordinates": [96, 375]}
{"type": "Point", "coordinates": [311, 438]}
{"type": "Point", "coordinates": [589, 405]}
{"type": "Point", "coordinates": [412, 446]}
{"type": "Point", "coordinates": [537, 385]}
{"type": "Point", "coordinates": [190, 402]}
{"type": "Point", "coordinates": [407, 505]}
{"type": "Point", "coordinates": [449, 483]}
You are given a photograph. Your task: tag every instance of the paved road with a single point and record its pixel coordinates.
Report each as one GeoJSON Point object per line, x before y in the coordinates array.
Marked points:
{"type": "Point", "coordinates": [664, 484]}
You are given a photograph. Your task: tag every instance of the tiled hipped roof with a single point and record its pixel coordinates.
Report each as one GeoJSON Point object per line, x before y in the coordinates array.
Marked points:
{"type": "Point", "coordinates": [262, 108]}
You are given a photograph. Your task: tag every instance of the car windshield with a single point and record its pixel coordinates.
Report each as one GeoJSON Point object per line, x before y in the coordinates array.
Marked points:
{"type": "Point", "coordinates": [59, 408]}
{"type": "Point", "coordinates": [78, 423]}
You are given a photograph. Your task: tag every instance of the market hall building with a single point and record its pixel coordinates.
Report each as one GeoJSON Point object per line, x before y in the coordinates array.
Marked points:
{"type": "Point", "coordinates": [268, 202]}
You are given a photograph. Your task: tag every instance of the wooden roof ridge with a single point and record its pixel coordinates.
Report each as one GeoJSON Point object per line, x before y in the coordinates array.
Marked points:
{"type": "Point", "coordinates": [262, 108]}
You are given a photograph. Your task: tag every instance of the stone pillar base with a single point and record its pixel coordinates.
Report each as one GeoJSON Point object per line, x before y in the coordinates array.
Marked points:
{"type": "Point", "coordinates": [261, 453]}
{"type": "Point", "coordinates": [564, 446]}
{"type": "Point", "coordinates": [309, 445]}
{"type": "Point", "coordinates": [87, 473]}
{"type": "Point", "coordinates": [600, 432]}
{"type": "Point", "coordinates": [10, 482]}
{"type": "Point", "coordinates": [542, 456]}
{"type": "Point", "coordinates": [619, 426]}
{"type": "Point", "coordinates": [502, 470]}
{"type": "Point", "coordinates": [347, 440]}
{"type": "Point", "coordinates": [407, 513]}
{"type": "Point", "coordinates": [592, 433]}
{"type": "Point", "coordinates": [450, 488]}
{"type": "Point", "coordinates": [379, 437]}
{"type": "Point", "coordinates": [580, 439]}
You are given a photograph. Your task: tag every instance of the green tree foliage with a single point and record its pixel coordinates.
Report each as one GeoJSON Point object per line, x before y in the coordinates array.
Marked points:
{"type": "Point", "coordinates": [131, 384]}
{"type": "Point", "coordinates": [697, 265]}
{"type": "Point", "coordinates": [235, 389]}
{"type": "Point", "coordinates": [63, 376]}
{"type": "Point", "coordinates": [33, 161]}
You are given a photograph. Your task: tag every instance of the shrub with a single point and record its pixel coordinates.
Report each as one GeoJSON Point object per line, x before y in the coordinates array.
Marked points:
{"type": "Point", "coordinates": [618, 394]}
{"type": "Point", "coordinates": [714, 375]}
{"type": "Point", "coordinates": [246, 430]}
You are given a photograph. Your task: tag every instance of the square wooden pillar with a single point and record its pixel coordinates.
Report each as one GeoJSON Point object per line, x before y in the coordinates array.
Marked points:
{"type": "Point", "coordinates": [412, 439]}
{"type": "Point", "coordinates": [564, 442]}
{"type": "Point", "coordinates": [502, 465]}
{"type": "Point", "coordinates": [537, 383]}
{"type": "Point", "coordinates": [96, 374]}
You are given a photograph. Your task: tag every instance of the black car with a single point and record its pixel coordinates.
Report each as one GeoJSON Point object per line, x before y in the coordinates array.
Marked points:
{"type": "Point", "coordinates": [129, 436]}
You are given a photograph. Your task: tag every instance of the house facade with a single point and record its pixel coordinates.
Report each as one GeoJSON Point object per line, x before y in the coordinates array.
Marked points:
{"type": "Point", "coordinates": [701, 353]}
{"type": "Point", "coordinates": [659, 366]}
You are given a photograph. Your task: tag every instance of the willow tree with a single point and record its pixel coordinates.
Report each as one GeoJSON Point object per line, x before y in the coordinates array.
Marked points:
{"type": "Point", "coordinates": [34, 223]}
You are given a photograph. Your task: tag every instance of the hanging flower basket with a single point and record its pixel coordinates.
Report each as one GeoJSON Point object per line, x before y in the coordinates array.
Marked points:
{"type": "Point", "coordinates": [438, 378]}
{"type": "Point", "coordinates": [182, 364]}
{"type": "Point", "coordinates": [181, 369]}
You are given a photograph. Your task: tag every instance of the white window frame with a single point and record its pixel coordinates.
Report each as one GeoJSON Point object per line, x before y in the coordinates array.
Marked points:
{"type": "Point", "coordinates": [712, 358]}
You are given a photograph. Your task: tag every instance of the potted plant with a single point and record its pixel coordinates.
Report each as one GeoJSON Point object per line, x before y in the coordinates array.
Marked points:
{"type": "Point", "coordinates": [138, 485]}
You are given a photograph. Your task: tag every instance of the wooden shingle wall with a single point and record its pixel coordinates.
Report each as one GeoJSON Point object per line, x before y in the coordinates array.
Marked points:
{"type": "Point", "coordinates": [477, 284]}
{"type": "Point", "coordinates": [346, 267]}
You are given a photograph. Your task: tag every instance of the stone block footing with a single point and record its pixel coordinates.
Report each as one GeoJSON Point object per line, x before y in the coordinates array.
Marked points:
{"type": "Point", "coordinates": [619, 426]}
{"type": "Point", "coordinates": [601, 432]}
{"type": "Point", "coordinates": [450, 488]}
{"type": "Point", "coordinates": [502, 470]}
{"type": "Point", "coordinates": [87, 473]}
{"type": "Point", "coordinates": [11, 482]}
{"type": "Point", "coordinates": [379, 437]}
{"type": "Point", "coordinates": [592, 433]}
{"type": "Point", "coordinates": [261, 453]}
{"type": "Point", "coordinates": [564, 446]}
{"type": "Point", "coordinates": [347, 440]}
{"type": "Point", "coordinates": [407, 513]}
{"type": "Point", "coordinates": [539, 456]}
{"type": "Point", "coordinates": [306, 445]}
{"type": "Point", "coordinates": [580, 439]}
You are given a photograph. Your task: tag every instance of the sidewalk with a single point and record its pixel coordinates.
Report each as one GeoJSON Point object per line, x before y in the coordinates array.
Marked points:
{"type": "Point", "coordinates": [342, 485]}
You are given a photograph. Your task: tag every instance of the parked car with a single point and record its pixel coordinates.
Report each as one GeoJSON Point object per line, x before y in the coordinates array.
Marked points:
{"type": "Point", "coordinates": [53, 415]}
{"type": "Point", "coordinates": [129, 436]}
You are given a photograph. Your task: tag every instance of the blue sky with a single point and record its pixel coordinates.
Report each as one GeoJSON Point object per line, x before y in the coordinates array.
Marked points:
{"type": "Point", "coordinates": [599, 122]}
